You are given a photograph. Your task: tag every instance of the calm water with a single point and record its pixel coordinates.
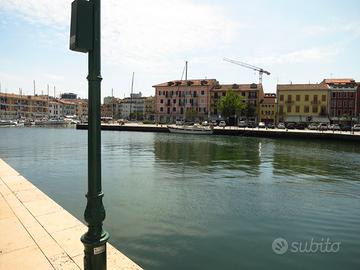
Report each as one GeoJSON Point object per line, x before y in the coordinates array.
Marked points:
{"type": "Point", "coordinates": [187, 202]}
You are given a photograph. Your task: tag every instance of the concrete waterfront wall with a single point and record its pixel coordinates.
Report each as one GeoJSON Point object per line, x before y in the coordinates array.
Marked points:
{"type": "Point", "coordinates": [37, 233]}
{"type": "Point", "coordinates": [246, 132]}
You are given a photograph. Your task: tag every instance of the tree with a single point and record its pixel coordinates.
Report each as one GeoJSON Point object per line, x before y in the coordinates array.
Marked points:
{"type": "Point", "coordinates": [231, 104]}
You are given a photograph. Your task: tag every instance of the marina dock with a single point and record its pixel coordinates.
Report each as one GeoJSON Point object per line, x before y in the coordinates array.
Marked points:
{"type": "Point", "coordinates": [37, 233]}
{"type": "Point", "coordinates": [237, 131]}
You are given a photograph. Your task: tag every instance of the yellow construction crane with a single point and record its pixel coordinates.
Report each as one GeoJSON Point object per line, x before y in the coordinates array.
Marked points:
{"type": "Point", "coordinates": [260, 70]}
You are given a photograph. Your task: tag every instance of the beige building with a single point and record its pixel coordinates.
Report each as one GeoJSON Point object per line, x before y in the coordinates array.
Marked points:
{"type": "Point", "coordinates": [303, 102]}
{"type": "Point", "coordinates": [251, 93]}
{"type": "Point", "coordinates": [149, 108]}
{"type": "Point", "coordinates": [268, 108]}
{"type": "Point", "coordinates": [13, 106]}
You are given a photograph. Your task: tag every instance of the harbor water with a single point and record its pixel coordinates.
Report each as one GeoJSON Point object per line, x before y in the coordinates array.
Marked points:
{"type": "Point", "coordinates": [206, 202]}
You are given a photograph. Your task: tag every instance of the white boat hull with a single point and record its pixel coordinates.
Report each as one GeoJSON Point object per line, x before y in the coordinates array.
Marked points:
{"type": "Point", "coordinates": [191, 130]}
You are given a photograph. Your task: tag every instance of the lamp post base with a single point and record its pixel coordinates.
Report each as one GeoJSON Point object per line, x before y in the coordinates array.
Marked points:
{"type": "Point", "coordinates": [95, 252]}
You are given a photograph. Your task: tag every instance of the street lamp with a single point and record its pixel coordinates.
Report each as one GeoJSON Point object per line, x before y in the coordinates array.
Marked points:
{"type": "Point", "coordinates": [85, 37]}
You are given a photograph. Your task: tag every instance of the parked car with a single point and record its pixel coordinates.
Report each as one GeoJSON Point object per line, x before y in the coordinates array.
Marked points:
{"type": "Point", "coordinates": [222, 124]}
{"type": "Point", "coordinates": [334, 127]}
{"type": "Point", "coordinates": [214, 123]}
{"type": "Point", "coordinates": [179, 122]}
{"type": "Point", "coordinates": [345, 127]}
{"type": "Point", "coordinates": [261, 125]}
{"type": "Point", "coordinates": [313, 126]}
{"type": "Point", "coordinates": [300, 126]}
{"type": "Point", "coordinates": [242, 124]}
{"type": "Point", "coordinates": [205, 123]}
{"type": "Point", "coordinates": [322, 126]}
{"type": "Point", "coordinates": [281, 126]}
{"type": "Point", "coordinates": [270, 125]}
{"type": "Point", "coordinates": [290, 125]}
{"type": "Point", "coordinates": [251, 125]}
{"type": "Point", "coordinates": [356, 127]}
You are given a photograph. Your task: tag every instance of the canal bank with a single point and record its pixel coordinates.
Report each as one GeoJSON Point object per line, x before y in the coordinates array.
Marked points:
{"type": "Point", "coordinates": [247, 132]}
{"type": "Point", "coordinates": [37, 233]}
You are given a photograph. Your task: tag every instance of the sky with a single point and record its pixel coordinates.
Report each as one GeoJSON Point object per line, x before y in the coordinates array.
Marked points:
{"type": "Point", "coordinates": [296, 41]}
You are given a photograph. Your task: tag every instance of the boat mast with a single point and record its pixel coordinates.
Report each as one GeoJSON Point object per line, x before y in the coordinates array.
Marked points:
{"type": "Point", "coordinates": [131, 94]}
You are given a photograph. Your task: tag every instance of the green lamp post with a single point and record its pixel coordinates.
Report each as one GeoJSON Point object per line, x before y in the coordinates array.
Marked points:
{"type": "Point", "coordinates": [85, 37]}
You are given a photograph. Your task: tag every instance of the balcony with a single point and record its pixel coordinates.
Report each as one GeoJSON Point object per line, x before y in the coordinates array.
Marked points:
{"type": "Point", "coordinates": [315, 102]}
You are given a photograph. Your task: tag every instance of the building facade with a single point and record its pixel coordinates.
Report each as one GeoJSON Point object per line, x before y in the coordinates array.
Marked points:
{"type": "Point", "coordinates": [252, 95]}
{"type": "Point", "coordinates": [149, 108]}
{"type": "Point", "coordinates": [183, 99]}
{"type": "Point", "coordinates": [343, 99]}
{"type": "Point", "coordinates": [268, 109]}
{"type": "Point", "coordinates": [13, 106]}
{"type": "Point", "coordinates": [69, 108]}
{"type": "Point", "coordinates": [55, 109]}
{"type": "Point", "coordinates": [302, 103]}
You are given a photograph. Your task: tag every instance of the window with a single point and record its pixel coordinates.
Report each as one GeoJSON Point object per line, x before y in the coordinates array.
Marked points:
{"type": "Point", "coordinates": [288, 109]}
{"type": "Point", "coordinates": [306, 97]}
{"type": "Point", "coordinates": [159, 93]}
{"type": "Point", "coordinates": [306, 109]}
{"type": "Point", "coordinates": [334, 95]}
{"type": "Point", "coordinates": [243, 94]}
{"type": "Point", "coordinates": [351, 95]}
{"type": "Point", "coordinates": [297, 109]}
{"type": "Point", "coordinates": [174, 101]}
{"type": "Point", "coordinates": [168, 110]}
{"type": "Point", "coordinates": [202, 92]}
{"type": "Point", "coordinates": [297, 97]}
{"type": "Point", "coordinates": [281, 97]}
{"type": "Point", "coordinates": [161, 101]}
{"type": "Point", "coordinates": [289, 97]}
{"type": "Point", "coordinates": [161, 109]}
{"type": "Point", "coordinates": [174, 109]}
{"type": "Point", "coordinates": [314, 109]}
{"type": "Point", "coordinates": [323, 97]}
{"type": "Point", "coordinates": [315, 98]}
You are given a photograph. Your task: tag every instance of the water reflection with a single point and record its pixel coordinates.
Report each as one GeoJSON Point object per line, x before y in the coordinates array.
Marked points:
{"type": "Point", "coordinates": [209, 153]}
{"type": "Point", "coordinates": [327, 161]}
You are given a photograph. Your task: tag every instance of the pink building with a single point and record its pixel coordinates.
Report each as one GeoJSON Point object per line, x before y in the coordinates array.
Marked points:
{"type": "Point", "coordinates": [186, 100]}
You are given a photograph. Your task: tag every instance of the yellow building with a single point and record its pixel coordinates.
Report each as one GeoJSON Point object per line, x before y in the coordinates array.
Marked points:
{"type": "Point", "coordinates": [302, 103]}
{"type": "Point", "coordinates": [268, 108]}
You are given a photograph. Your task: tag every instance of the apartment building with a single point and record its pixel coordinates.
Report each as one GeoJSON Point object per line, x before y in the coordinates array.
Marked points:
{"type": "Point", "coordinates": [343, 98]}
{"type": "Point", "coordinates": [13, 106]}
{"type": "Point", "coordinates": [55, 109]}
{"type": "Point", "coordinates": [183, 99]}
{"type": "Point", "coordinates": [303, 102]}
{"type": "Point", "coordinates": [252, 95]}
{"type": "Point", "coordinates": [268, 108]}
{"type": "Point", "coordinates": [149, 108]}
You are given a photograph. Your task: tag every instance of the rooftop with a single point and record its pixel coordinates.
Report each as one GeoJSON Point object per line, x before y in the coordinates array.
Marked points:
{"type": "Point", "coordinates": [196, 82]}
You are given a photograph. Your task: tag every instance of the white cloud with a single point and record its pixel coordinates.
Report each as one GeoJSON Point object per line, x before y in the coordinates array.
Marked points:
{"type": "Point", "coordinates": [332, 28]}
{"type": "Point", "coordinates": [300, 56]}
{"type": "Point", "coordinates": [141, 33]}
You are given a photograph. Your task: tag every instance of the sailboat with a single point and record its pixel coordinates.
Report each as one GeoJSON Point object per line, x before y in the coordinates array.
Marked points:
{"type": "Point", "coordinates": [190, 129]}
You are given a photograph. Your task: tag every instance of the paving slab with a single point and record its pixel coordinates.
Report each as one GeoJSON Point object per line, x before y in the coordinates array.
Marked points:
{"type": "Point", "coordinates": [37, 233]}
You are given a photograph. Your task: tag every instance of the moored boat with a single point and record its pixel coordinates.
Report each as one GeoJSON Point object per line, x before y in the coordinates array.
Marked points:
{"type": "Point", "coordinates": [195, 129]}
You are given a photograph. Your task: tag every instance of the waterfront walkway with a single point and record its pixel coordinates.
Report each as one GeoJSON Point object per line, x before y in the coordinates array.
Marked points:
{"type": "Point", "coordinates": [37, 233]}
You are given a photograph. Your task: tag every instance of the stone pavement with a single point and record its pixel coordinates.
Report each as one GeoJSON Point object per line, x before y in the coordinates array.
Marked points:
{"type": "Point", "coordinates": [37, 233]}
